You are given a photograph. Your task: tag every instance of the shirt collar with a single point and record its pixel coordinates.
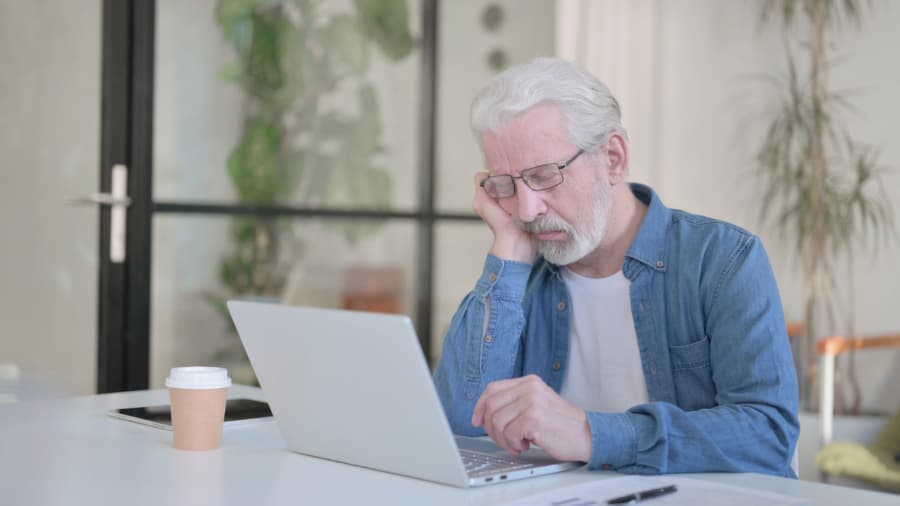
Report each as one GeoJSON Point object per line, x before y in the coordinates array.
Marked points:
{"type": "Point", "coordinates": [649, 247]}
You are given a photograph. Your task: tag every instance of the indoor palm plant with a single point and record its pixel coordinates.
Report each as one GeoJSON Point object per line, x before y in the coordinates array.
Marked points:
{"type": "Point", "coordinates": [821, 187]}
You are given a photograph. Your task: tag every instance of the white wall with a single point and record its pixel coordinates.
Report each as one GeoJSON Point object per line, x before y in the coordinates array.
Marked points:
{"type": "Point", "coordinates": [49, 149]}
{"type": "Point", "coordinates": [528, 30]}
{"type": "Point", "coordinates": [692, 59]}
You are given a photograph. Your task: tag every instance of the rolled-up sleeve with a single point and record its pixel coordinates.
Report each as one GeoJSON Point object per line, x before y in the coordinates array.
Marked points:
{"type": "Point", "coordinates": [474, 354]}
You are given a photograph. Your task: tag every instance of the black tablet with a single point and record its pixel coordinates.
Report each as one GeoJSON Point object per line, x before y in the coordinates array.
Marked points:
{"type": "Point", "coordinates": [237, 411]}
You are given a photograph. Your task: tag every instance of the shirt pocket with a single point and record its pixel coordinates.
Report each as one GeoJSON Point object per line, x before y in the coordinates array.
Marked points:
{"type": "Point", "coordinates": [692, 374]}
{"type": "Point", "coordinates": [690, 356]}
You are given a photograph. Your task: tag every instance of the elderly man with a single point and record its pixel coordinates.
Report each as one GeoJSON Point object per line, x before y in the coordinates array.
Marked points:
{"type": "Point", "coordinates": [606, 327]}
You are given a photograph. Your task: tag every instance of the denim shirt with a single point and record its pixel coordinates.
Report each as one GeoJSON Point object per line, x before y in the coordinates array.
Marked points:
{"type": "Point", "coordinates": [713, 342]}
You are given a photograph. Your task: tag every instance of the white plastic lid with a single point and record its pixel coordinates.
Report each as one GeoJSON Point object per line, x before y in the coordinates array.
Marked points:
{"type": "Point", "coordinates": [198, 378]}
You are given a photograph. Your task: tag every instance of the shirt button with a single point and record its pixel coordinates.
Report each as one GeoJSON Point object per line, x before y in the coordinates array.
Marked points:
{"type": "Point", "coordinates": [606, 467]}
{"type": "Point", "coordinates": [556, 365]}
{"type": "Point", "coordinates": [492, 277]}
{"type": "Point", "coordinates": [653, 368]}
{"type": "Point", "coordinates": [660, 264]}
{"type": "Point", "coordinates": [488, 338]}
{"type": "Point", "coordinates": [561, 306]}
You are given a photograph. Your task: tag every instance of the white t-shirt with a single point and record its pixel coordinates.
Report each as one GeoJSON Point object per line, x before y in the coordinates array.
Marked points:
{"type": "Point", "coordinates": [604, 372]}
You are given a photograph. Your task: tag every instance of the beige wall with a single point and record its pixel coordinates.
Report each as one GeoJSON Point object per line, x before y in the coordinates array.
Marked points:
{"type": "Point", "coordinates": [49, 149]}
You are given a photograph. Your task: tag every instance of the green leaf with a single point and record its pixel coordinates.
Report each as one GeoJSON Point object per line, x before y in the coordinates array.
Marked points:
{"type": "Point", "coordinates": [226, 274]}
{"type": "Point", "coordinates": [254, 164]}
{"type": "Point", "coordinates": [344, 35]}
{"type": "Point", "coordinates": [333, 125]}
{"type": "Point", "coordinates": [386, 22]}
{"type": "Point", "coordinates": [299, 67]}
{"type": "Point", "coordinates": [243, 230]}
{"type": "Point", "coordinates": [232, 72]}
{"type": "Point", "coordinates": [263, 66]}
{"type": "Point", "coordinates": [231, 13]}
{"type": "Point", "coordinates": [377, 187]}
{"type": "Point", "coordinates": [367, 136]}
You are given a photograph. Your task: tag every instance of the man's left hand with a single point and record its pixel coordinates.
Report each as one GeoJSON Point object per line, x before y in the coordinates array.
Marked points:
{"type": "Point", "coordinates": [521, 411]}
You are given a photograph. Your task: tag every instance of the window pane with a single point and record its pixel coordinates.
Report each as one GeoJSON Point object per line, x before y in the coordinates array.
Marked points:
{"type": "Point", "coordinates": [315, 115]}
{"type": "Point", "coordinates": [460, 250]}
{"type": "Point", "coordinates": [298, 262]}
{"type": "Point", "coordinates": [477, 39]}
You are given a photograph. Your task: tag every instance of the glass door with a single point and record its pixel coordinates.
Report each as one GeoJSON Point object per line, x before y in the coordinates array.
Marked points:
{"type": "Point", "coordinates": [285, 163]}
{"type": "Point", "coordinates": [274, 153]}
{"type": "Point", "coordinates": [287, 150]}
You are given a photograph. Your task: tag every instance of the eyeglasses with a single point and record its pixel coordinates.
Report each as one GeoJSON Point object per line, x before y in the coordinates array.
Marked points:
{"type": "Point", "coordinates": [540, 178]}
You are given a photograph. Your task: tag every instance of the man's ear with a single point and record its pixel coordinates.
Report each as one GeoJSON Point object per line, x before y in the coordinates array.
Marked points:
{"type": "Point", "coordinates": [616, 153]}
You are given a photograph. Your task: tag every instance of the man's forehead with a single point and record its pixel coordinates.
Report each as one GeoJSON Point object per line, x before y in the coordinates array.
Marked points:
{"type": "Point", "coordinates": [515, 153]}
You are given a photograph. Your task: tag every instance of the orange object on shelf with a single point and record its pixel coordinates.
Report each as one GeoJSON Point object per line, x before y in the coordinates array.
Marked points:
{"type": "Point", "coordinates": [375, 289]}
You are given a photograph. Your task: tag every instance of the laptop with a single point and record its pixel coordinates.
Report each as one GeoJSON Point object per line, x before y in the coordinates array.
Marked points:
{"type": "Point", "coordinates": [354, 387]}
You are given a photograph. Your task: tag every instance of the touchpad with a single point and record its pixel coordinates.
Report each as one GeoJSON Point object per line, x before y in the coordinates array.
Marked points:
{"type": "Point", "coordinates": [534, 454]}
{"type": "Point", "coordinates": [481, 445]}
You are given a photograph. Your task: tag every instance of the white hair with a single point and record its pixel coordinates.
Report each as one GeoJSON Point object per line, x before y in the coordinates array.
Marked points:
{"type": "Point", "coordinates": [591, 112]}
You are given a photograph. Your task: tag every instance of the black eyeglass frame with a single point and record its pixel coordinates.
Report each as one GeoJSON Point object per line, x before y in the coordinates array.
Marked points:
{"type": "Point", "coordinates": [523, 175]}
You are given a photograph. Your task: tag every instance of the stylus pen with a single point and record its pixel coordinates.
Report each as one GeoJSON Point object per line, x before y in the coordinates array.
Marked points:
{"type": "Point", "coordinates": [644, 494]}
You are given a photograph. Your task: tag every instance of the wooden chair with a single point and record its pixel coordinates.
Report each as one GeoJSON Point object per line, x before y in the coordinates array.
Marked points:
{"type": "Point", "coordinates": [796, 329]}
{"type": "Point", "coordinates": [874, 462]}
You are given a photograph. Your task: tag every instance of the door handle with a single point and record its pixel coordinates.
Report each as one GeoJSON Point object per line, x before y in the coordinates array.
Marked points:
{"type": "Point", "coordinates": [118, 200]}
{"type": "Point", "coordinates": [100, 199]}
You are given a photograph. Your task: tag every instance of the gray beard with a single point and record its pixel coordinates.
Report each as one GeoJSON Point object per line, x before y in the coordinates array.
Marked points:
{"type": "Point", "coordinates": [579, 244]}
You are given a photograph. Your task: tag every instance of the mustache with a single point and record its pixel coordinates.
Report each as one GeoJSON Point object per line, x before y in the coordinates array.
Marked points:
{"type": "Point", "coordinates": [545, 224]}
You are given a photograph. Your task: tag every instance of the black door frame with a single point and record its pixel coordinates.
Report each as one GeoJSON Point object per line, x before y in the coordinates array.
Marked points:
{"type": "Point", "coordinates": [123, 341]}
{"type": "Point", "coordinates": [127, 131]}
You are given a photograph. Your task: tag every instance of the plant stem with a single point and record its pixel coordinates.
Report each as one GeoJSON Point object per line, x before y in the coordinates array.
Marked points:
{"type": "Point", "coordinates": [817, 268]}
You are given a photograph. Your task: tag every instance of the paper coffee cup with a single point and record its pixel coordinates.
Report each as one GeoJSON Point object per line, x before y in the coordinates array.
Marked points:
{"type": "Point", "coordinates": [198, 397]}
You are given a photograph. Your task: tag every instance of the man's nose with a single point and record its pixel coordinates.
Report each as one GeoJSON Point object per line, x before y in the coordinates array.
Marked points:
{"type": "Point", "coordinates": [530, 203]}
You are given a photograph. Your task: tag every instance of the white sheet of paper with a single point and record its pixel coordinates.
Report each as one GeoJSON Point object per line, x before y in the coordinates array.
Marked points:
{"type": "Point", "coordinates": [690, 492]}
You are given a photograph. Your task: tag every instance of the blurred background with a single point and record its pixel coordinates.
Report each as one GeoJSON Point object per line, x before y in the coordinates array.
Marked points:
{"type": "Point", "coordinates": [319, 153]}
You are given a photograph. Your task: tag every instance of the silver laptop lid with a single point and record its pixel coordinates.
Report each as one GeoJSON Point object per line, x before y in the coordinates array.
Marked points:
{"type": "Point", "coordinates": [350, 386]}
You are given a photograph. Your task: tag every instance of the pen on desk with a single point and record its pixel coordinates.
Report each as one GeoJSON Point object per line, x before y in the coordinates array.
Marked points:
{"type": "Point", "coordinates": [644, 494]}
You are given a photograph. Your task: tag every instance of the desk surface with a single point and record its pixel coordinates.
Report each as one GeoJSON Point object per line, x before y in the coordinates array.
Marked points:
{"type": "Point", "coordinates": [69, 451]}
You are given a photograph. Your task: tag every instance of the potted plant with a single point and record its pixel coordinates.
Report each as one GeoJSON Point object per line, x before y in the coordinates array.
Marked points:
{"type": "Point", "coordinates": [821, 187]}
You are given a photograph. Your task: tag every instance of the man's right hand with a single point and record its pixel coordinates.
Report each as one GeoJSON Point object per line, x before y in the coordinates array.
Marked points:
{"type": "Point", "coordinates": [510, 241]}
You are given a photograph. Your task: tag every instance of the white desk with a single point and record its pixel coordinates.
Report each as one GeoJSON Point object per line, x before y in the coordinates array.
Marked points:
{"type": "Point", "coordinates": [69, 452]}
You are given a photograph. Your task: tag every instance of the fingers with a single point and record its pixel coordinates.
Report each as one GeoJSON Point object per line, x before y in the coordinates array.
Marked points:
{"type": "Point", "coordinates": [508, 401]}
{"type": "Point", "coordinates": [481, 200]}
{"type": "Point", "coordinates": [479, 192]}
{"type": "Point", "coordinates": [510, 241]}
{"type": "Point", "coordinates": [494, 388]}
{"type": "Point", "coordinates": [512, 423]}
{"type": "Point", "coordinates": [519, 412]}
{"type": "Point", "coordinates": [559, 428]}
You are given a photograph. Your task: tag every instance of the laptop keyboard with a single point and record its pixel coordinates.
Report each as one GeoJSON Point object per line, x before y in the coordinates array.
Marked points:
{"type": "Point", "coordinates": [481, 463]}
